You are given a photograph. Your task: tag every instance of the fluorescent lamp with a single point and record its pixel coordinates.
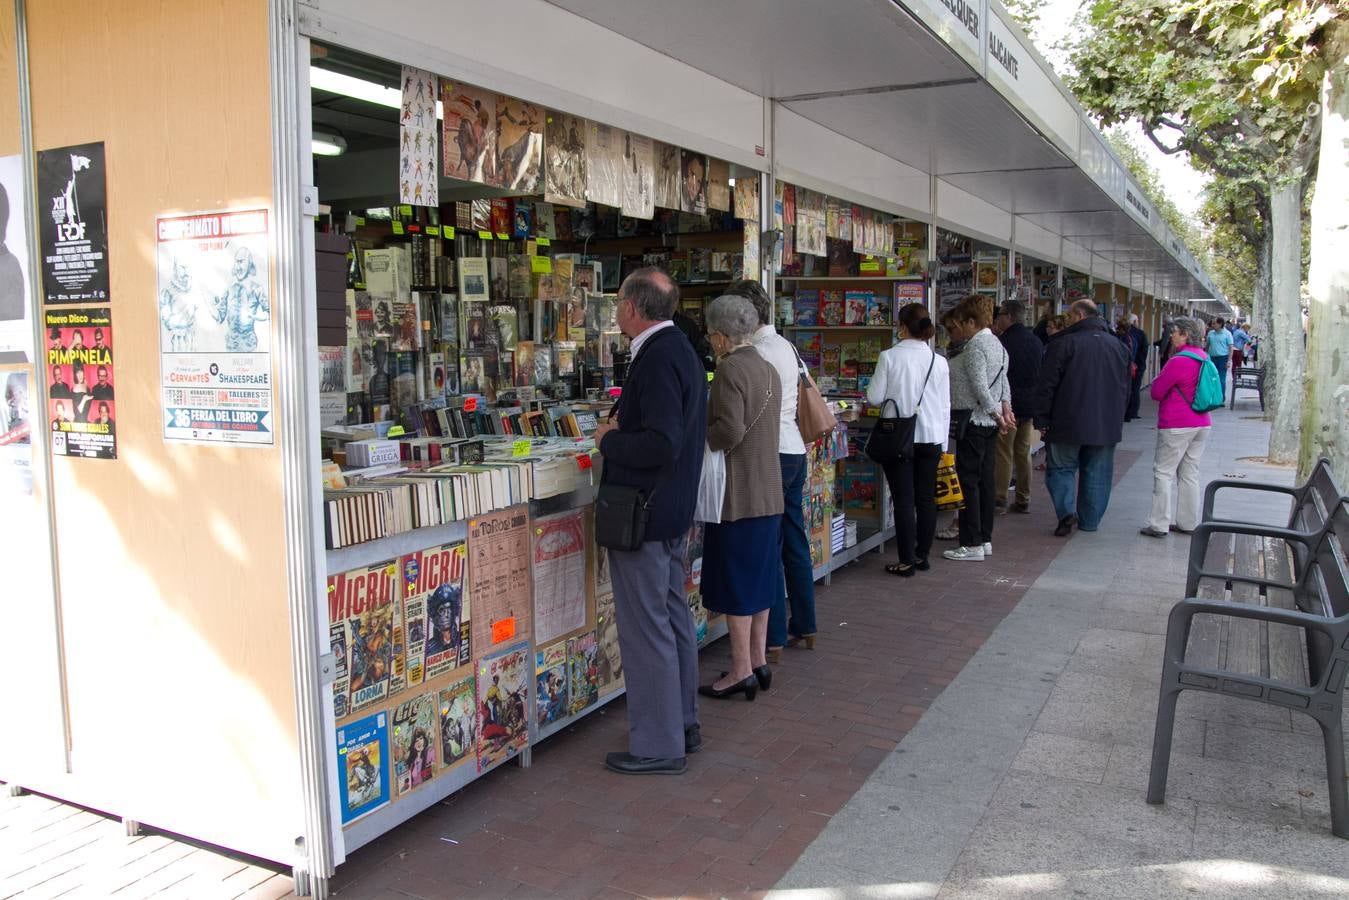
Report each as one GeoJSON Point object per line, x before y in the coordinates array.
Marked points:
{"type": "Point", "coordinates": [327, 144]}
{"type": "Point", "coordinates": [359, 89]}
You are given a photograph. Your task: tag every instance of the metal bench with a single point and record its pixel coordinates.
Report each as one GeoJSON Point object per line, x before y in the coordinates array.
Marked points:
{"type": "Point", "coordinates": [1249, 377]}
{"type": "Point", "coordinates": [1262, 631]}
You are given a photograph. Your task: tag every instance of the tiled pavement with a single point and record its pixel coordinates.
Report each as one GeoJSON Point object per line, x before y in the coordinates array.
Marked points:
{"type": "Point", "coordinates": [1015, 782]}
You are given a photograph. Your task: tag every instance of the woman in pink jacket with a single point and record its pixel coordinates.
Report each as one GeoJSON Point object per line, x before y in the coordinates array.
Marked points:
{"type": "Point", "coordinates": [1181, 432]}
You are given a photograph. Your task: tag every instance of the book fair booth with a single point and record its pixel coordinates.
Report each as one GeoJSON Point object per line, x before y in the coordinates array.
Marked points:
{"type": "Point", "coordinates": [312, 341]}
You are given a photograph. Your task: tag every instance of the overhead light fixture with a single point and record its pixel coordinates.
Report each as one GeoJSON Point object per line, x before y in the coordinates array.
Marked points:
{"type": "Point", "coordinates": [359, 89]}
{"type": "Point", "coordinates": [731, 182]}
{"type": "Point", "coordinates": [327, 144]}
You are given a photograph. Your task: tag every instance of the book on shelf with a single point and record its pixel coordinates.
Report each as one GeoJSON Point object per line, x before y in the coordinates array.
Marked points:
{"type": "Point", "coordinates": [806, 308]}
{"type": "Point", "coordinates": [878, 310]}
{"type": "Point", "coordinates": [833, 306]}
{"type": "Point", "coordinates": [855, 307]}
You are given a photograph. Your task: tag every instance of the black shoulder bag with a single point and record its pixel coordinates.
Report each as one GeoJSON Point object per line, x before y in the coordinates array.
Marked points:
{"type": "Point", "coordinates": [891, 439]}
{"type": "Point", "coordinates": [622, 511]}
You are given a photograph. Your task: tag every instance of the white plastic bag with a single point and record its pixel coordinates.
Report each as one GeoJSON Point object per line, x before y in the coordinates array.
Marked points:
{"type": "Point", "coordinates": [711, 486]}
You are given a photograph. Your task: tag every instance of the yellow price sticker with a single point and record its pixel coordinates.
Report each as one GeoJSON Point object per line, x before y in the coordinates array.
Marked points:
{"type": "Point", "coordinates": [396, 431]}
{"type": "Point", "coordinates": [485, 235]}
{"type": "Point", "coordinates": [543, 241]}
{"type": "Point", "coordinates": [397, 227]}
{"type": "Point", "coordinates": [541, 265]}
{"type": "Point", "coordinates": [709, 376]}
{"type": "Point", "coordinates": [360, 220]}
{"type": "Point", "coordinates": [503, 236]}
{"type": "Point", "coordinates": [448, 231]}
{"type": "Point", "coordinates": [405, 210]}
{"type": "Point", "coordinates": [433, 230]}
{"type": "Point", "coordinates": [520, 448]}
{"type": "Point", "coordinates": [843, 404]}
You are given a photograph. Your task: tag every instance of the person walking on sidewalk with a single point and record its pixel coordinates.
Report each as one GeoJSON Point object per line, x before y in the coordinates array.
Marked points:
{"type": "Point", "coordinates": [1079, 410]}
{"type": "Point", "coordinates": [654, 442]}
{"type": "Point", "coordinates": [1219, 346]}
{"type": "Point", "coordinates": [1024, 351]}
{"type": "Point", "coordinates": [981, 403]}
{"type": "Point", "coordinates": [1181, 432]}
{"type": "Point", "coordinates": [791, 618]}
{"type": "Point", "coordinates": [1139, 339]}
{"type": "Point", "coordinates": [918, 381]}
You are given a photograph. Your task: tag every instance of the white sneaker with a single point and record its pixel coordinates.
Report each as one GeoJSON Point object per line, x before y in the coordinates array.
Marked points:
{"type": "Point", "coordinates": [988, 549]}
{"type": "Point", "coordinates": [970, 553]}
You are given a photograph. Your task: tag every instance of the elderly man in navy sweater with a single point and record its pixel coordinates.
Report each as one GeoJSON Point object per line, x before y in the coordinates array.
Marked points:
{"type": "Point", "coordinates": [654, 441]}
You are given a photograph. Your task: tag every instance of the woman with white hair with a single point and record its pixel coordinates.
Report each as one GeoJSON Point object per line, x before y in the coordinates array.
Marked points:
{"type": "Point", "coordinates": [1181, 432]}
{"type": "Point", "coordinates": [741, 558]}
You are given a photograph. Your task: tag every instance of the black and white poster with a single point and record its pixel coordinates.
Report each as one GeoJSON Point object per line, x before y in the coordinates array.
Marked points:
{"type": "Point", "coordinates": [73, 224]}
{"type": "Point", "coordinates": [16, 331]}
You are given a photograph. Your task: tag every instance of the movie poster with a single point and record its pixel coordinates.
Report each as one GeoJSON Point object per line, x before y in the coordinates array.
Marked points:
{"type": "Point", "coordinates": [639, 176]}
{"type": "Point", "coordinates": [503, 704]}
{"type": "Point", "coordinates": [550, 684]}
{"type": "Point", "coordinates": [360, 629]}
{"type": "Point", "coordinates": [415, 743]}
{"type": "Point", "coordinates": [16, 434]}
{"type": "Point", "coordinates": [435, 611]}
{"type": "Point", "coordinates": [81, 394]}
{"type": "Point", "coordinates": [666, 180]}
{"type": "Point", "coordinates": [469, 137]}
{"type": "Point", "coordinates": [16, 333]}
{"type": "Point", "coordinates": [499, 577]}
{"type": "Point", "coordinates": [214, 295]}
{"type": "Point", "coordinates": [417, 181]}
{"type": "Point", "coordinates": [693, 183]}
{"type": "Point", "coordinates": [458, 721]}
{"type": "Point", "coordinates": [583, 672]}
{"type": "Point", "coordinates": [73, 224]}
{"type": "Point", "coordinates": [559, 575]}
{"type": "Point", "coordinates": [604, 162]}
{"type": "Point", "coordinates": [610, 658]}
{"type": "Point", "coordinates": [519, 145]}
{"type": "Point", "coordinates": [362, 765]}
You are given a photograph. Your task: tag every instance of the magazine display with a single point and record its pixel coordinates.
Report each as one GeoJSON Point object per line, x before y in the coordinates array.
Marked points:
{"type": "Point", "coordinates": [583, 672]}
{"type": "Point", "coordinates": [550, 684]}
{"type": "Point", "coordinates": [503, 704]}
{"type": "Point", "coordinates": [415, 742]}
{"type": "Point", "coordinates": [360, 629]}
{"type": "Point", "coordinates": [362, 765]}
{"type": "Point", "coordinates": [458, 722]}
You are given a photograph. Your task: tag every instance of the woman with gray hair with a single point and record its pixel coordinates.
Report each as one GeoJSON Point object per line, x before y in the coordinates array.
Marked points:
{"type": "Point", "coordinates": [1181, 432]}
{"type": "Point", "coordinates": [741, 560]}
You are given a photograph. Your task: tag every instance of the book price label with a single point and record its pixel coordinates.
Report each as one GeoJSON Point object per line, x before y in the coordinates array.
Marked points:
{"type": "Point", "coordinates": [503, 630]}
{"type": "Point", "coordinates": [520, 448]}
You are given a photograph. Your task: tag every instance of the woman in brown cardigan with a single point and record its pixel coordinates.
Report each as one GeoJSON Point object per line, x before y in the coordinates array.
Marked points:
{"type": "Point", "coordinates": [742, 561]}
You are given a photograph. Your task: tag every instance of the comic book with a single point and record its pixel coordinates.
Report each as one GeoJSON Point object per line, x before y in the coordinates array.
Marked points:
{"type": "Point", "coordinates": [855, 307]}
{"type": "Point", "coordinates": [458, 722]}
{"type": "Point", "coordinates": [519, 149]}
{"type": "Point", "coordinates": [808, 346]}
{"type": "Point", "coordinates": [503, 704]}
{"type": "Point", "coordinates": [833, 307]}
{"type": "Point", "coordinates": [469, 133]}
{"type": "Point", "coordinates": [362, 765]}
{"type": "Point", "coordinates": [360, 627]}
{"type": "Point", "coordinates": [806, 308]}
{"type": "Point", "coordinates": [610, 658]}
{"type": "Point", "coordinates": [583, 671]}
{"type": "Point", "coordinates": [436, 611]}
{"type": "Point", "coordinates": [415, 740]}
{"type": "Point", "coordinates": [550, 684]}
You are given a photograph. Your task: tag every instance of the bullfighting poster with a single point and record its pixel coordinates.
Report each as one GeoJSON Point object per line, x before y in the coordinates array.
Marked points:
{"type": "Point", "coordinates": [469, 135]}
{"type": "Point", "coordinates": [417, 182]}
{"type": "Point", "coordinates": [214, 296]}
{"type": "Point", "coordinates": [499, 578]}
{"type": "Point", "coordinates": [81, 402]}
{"type": "Point", "coordinates": [503, 704]}
{"type": "Point", "coordinates": [73, 224]}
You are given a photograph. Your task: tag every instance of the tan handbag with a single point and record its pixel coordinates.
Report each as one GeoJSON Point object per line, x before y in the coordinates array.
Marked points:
{"type": "Point", "coordinates": [814, 419]}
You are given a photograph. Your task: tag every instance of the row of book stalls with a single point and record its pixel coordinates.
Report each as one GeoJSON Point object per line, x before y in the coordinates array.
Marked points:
{"type": "Point", "coordinates": [452, 270]}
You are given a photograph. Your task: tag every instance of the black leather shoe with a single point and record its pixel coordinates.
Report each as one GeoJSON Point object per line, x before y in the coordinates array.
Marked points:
{"type": "Point", "coordinates": [693, 739]}
{"type": "Point", "coordinates": [1178, 530]}
{"type": "Point", "coordinates": [1065, 526]}
{"type": "Point", "coordinates": [627, 764]}
{"type": "Point", "coordinates": [922, 565]}
{"type": "Point", "coordinates": [749, 687]}
{"type": "Point", "coordinates": [762, 674]}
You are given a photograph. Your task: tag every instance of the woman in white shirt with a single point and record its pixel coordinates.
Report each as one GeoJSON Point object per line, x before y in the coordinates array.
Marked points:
{"type": "Point", "coordinates": [917, 379]}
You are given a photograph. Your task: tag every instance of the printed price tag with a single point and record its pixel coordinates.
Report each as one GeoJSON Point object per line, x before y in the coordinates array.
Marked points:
{"type": "Point", "coordinates": [470, 404]}
{"type": "Point", "coordinates": [503, 630]}
{"type": "Point", "coordinates": [541, 265]}
{"type": "Point", "coordinates": [520, 448]}
{"type": "Point", "coordinates": [543, 242]}
{"type": "Point", "coordinates": [485, 235]}
{"type": "Point", "coordinates": [360, 220]}
{"type": "Point", "coordinates": [448, 231]}
{"type": "Point", "coordinates": [433, 230]}
{"type": "Point", "coordinates": [397, 227]}
{"type": "Point", "coordinates": [396, 431]}
{"type": "Point", "coordinates": [405, 210]}
{"type": "Point", "coordinates": [584, 462]}
{"type": "Point", "coordinates": [503, 236]}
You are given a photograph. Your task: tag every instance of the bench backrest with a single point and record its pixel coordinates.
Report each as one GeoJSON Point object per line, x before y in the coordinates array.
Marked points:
{"type": "Point", "coordinates": [1318, 501]}
{"type": "Point", "coordinates": [1325, 589]}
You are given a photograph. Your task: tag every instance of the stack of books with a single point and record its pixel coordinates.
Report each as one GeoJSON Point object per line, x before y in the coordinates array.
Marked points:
{"type": "Point", "coordinates": [838, 533]}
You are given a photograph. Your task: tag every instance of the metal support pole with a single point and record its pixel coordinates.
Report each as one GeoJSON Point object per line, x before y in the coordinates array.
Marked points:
{"type": "Point", "coordinates": [932, 305]}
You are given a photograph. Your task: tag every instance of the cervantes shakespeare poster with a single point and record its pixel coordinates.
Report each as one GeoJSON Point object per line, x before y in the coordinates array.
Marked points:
{"type": "Point", "coordinates": [214, 296]}
{"type": "Point", "coordinates": [73, 224]}
{"type": "Point", "coordinates": [81, 402]}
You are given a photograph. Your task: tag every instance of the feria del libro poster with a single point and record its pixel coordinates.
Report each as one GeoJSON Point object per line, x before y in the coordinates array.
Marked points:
{"type": "Point", "coordinates": [214, 305]}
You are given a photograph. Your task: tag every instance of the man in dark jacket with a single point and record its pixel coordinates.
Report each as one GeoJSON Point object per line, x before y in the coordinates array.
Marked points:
{"type": "Point", "coordinates": [654, 441]}
{"type": "Point", "coordinates": [1079, 408]}
{"type": "Point", "coordinates": [1023, 372]}
{"type": "Point", "coordinates": [1139, 338]}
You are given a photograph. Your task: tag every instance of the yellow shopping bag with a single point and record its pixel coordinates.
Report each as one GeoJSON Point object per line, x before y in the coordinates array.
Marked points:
{"type": "Point", "coordinates": [949, 495]}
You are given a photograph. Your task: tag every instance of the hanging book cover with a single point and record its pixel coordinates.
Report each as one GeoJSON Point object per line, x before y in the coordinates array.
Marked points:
{"type": "Point", "coordinates": [810, 223]}
{"type": "Point", "coordinates": [559, 575]}
{"type": "Point", "coordinates": [415, 743]}
{"type": "Point", "coordinates": [503, 702]}
{"type": "Point", "coordinates": [469, 135]}
{"type": "Point", "coordinates": [666, 178]}
{"type": "Point", "coordinates": [436, 611]}
{"type": "Point", "coordinates": [360, 619]}
{"type": "Point", "coordinates": [499, 577]}
{"type": "Point", "coordinates": [610, 658]}
{"type": "Point", "coordinates": [718, 184]}
{"type": "Point", "coordinates": [747, 198]}
{"type": "Point", "coordinates": [692, 182]}
{"type": "Point", "coordinates": [417, 181]}
{"type": "Point", "coordinates": [458, 721]}
{"type": "Point", "coordinates": [519, 161]}
{"type": "Point", "coordinates": [550, 684]}
{"type": "Point", "coordinates": [583, 671]}
{"type": "Point", "coordinates": [604, 163]}
{"type": "Point", "coordinates": [838, 220]}
{"type": "Point", "coordinates": [362, 761]}
{"type": "Point", "coordinates": [565, 161]}
{"type": "Point", "coordinates": [639, 176]}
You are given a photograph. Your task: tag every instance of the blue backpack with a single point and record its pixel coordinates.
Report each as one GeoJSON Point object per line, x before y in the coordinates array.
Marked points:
{"type": "Point", "coordinates": [1208, 391]}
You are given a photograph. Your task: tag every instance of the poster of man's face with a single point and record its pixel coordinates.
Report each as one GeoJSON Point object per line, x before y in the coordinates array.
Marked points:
{"type": "Point", "coordinates": [15, 333]}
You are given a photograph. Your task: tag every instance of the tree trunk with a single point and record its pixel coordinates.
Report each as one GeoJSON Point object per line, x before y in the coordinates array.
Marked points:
{"type": "Point", "coordinates": [1263, 316]}
{"type": "Point", "coordinates": [1325, 411]}
{"type": "Point", "coordinates": [1289, 349]}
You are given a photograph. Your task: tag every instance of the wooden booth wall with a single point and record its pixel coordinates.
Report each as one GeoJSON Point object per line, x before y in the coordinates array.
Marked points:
{"type": "Point", "coordinates": [171, 558]}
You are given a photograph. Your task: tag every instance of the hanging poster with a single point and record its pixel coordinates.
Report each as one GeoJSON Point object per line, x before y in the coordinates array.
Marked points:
{"type": "Point", "coordinates": [362, 765]}
{"type": "Point", "coordinates": [718, 184]}
{"type": "Point", "coordinates": [610, 659]}
{"type": "Point", "coordinates": [435, 610]}
{"type": "Point", "coordinates": [458, 721]}
{"type": "Point", "coordinates": [215, 361]}
{"type": "Point", "coordinates": [81, 404]}
{"type": "Point", "coordinates": [503, 704]}
{"type": "Point", "coordinates": [810, 223]}
{"type": "Point", "coordinates": [16, 435]}
{"type": "Point", "coordinates": [639, 176]}
{"type": "Point", "coordinates": [565, 153]}
{"type": "Point", "coordinates": [559, 576]}
{"type": "Point", "coordinates": [693, 182]}
{"type": "Point", "coordinates": [499, 578]}
{"type": "Point", "coordinates": [16, 332]}
{"type": "Point", "coordinates": [469, 137]}
{"type": "Point", "coordinates": [747, 198]}
{"type": "Point", "coordinates": [666, 178]}
{"type": "Point", "coordinates": [360, 632]}
{"type": "Point", "coordinates": [519, 144]}
{"type": "Point", "coordinates": [73, 224]}
{"type": "Point", "coordinates": [417, 182]}
{"type": "Point", "coordinates": [604, 162]}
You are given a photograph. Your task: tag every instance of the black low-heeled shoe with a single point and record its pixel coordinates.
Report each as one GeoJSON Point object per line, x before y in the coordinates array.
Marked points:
{"type": "Point", "coordinates": [749, 687]}
{"type": "Point", "coordinates": [922, 565]}
{"type": "Point", "coordinates": [762, 674]}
